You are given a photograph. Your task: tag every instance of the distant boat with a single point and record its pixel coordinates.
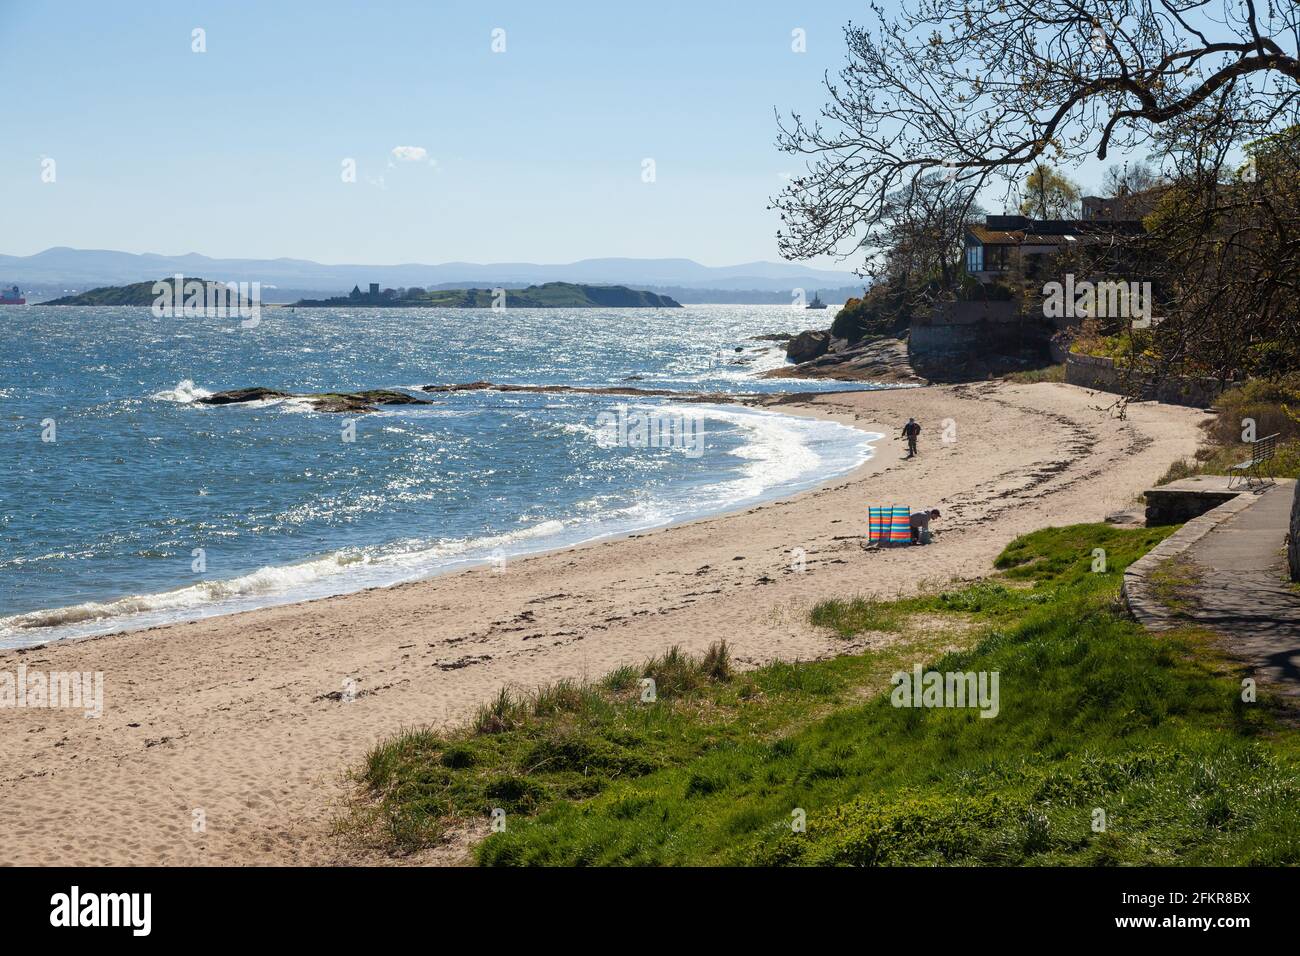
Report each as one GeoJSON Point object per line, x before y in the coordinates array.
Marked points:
{"type": "Point", "coordinates": [817, 302]}
{"type": "Point", "coordinates": [12, 297]}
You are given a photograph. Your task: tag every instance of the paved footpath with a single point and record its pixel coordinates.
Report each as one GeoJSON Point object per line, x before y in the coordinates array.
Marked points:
{"type": "Point", "coordinates": [1244, 593]}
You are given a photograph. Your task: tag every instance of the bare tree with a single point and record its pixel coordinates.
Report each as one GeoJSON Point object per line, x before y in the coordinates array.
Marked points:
{"type": "Point", "coordinates": [985, 88]}
{"type": "Point", "coordinates": [1226, 248]}
{"type": "Point", "coordinates": [921, 233]}
{"type": "Point", "coordinates": [1128, 179]}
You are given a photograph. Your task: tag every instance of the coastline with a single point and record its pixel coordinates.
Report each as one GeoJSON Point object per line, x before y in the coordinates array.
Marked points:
{"type": "Point", "coordinates": [243, 716]}
{"type": "Point", "coordinates": [345, 581]}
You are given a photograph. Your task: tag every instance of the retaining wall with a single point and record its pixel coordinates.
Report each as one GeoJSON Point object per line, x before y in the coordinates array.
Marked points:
{"type": "Point", "coordinates": [1102, 374]}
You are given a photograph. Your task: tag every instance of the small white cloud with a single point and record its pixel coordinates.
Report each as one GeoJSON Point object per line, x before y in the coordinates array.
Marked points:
{"type": "Point", "coordinates": [410, 154]}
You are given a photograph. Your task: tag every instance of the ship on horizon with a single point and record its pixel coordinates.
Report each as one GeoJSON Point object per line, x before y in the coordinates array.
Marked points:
{"type": "Point", "coordinates": [816, 302]}
{"type": "Point", "coordinates": [12, 297]}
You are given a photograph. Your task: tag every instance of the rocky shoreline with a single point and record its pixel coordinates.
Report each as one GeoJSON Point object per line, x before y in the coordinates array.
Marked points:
{"type": "Point", "coordinates": [818, 354]}
{"type": "Point", "coordinates": [370, 400]}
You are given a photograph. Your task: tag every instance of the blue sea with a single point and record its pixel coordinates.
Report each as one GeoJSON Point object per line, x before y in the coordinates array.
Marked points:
{"type": "Point", "coordinates": [124, 504]}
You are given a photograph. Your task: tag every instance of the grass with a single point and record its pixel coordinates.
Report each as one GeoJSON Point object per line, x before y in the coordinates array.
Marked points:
{"type": "Point", "coordinates": [1096, 716]}
{"type": "Point", "coordinates": [1051, 373]}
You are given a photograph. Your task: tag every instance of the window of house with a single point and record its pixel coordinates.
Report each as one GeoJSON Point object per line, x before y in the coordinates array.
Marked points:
{"type": "Point", "coordinates": [975, 258]}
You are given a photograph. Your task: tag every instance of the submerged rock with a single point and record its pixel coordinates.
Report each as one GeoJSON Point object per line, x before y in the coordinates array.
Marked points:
{"type": "Point", "coordinates": [238, 395]}
{"type": "Point", "coordinates": [356, 402]}
{"type": "Point", "coordinates": [710, 397]}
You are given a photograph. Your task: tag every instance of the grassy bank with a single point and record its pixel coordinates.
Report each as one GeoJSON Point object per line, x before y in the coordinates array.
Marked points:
{"type": "Point", "coordinates": [1094, 717]}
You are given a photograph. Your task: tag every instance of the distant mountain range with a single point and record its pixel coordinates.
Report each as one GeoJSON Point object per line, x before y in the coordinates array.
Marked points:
{"type": "Point", "coordinates": [58, 269]}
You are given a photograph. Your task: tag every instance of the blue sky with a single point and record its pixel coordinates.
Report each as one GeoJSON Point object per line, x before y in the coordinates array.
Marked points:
{"type": "Point", "coordinates": [533, 154]}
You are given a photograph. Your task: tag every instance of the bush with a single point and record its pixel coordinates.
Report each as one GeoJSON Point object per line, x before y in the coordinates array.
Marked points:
{"type": "Point", "coordinates": [1274, 405]}
{"type": "Point", "coordinates": [884, 310]}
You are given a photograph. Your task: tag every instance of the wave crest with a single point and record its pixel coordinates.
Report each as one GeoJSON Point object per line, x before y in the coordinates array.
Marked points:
{"type": "Point", "coordinates": [185, 393]}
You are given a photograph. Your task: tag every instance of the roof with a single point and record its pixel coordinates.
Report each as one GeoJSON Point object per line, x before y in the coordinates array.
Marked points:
{"type": "Point", "coordinates": [1052, 232]}
{"type": "Point", "coordinates": [996, 237]}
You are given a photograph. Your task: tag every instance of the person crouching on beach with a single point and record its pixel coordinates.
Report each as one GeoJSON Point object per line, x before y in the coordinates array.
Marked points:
{"type": "Point", "coordinates": [920, 523]}
{"type": "Point", "coordinates": [911, 431]}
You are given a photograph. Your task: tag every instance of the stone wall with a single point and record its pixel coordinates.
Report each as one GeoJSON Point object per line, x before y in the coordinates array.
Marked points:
{"type": "Point", "coordinates": [970, 313]}
{"type": "Point", "coordinates": [965, 328]}
{"type": "Point", "coordinates": [1184, 500]}
{"type": "Point", "coordinates": [1102, 374]}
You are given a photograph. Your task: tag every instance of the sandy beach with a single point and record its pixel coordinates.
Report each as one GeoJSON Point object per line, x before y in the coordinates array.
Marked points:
{"type": "Point", "coordinates": [242, 722]}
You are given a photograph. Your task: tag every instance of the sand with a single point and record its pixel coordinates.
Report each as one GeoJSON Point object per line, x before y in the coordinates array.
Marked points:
{"type": "Point", "coordinates": [240, 722]}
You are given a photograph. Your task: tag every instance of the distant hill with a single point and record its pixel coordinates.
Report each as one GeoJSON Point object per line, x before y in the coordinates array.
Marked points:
{"type": "Point", "coordinates": [551, 295]}
{"type": "Point", "coordinates": [64, 268]}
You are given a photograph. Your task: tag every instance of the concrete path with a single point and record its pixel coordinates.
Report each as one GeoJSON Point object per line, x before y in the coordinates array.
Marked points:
{"type": "Point", "coordinates": [1244, 594]}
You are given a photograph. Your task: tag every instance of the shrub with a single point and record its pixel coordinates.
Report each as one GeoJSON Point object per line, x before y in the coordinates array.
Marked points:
{"type": "Point", "coordinates": [1274, 405]}
{"type": "Point", "coordinates": [884, 310]}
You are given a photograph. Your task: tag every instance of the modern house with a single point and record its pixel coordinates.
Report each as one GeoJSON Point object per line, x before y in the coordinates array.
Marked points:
{"type": "Point", "coordinates": [1004, 243]}
{"type": "Point", "coordinates": [1009, 247]}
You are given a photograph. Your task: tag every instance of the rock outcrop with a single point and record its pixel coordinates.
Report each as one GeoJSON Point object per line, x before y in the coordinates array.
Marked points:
{"type": "Point", "coordinates": [238, 395]}
{"type": "Point", "coordinates": [353, 402]}
{"type": "Point", "coordinates": [807, 346]}
{"type": "Point", "coordinates": [878, 360]}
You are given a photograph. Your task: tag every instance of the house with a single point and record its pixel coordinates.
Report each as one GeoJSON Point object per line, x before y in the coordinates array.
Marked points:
{"type": "Point", "coordinates": [1008, 243]}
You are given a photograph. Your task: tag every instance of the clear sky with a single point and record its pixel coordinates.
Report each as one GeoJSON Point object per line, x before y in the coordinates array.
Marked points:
{"type": "Point", "coordinates": [532, 154]}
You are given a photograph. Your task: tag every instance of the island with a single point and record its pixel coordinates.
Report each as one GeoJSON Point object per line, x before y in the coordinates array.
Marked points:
{"type": "Point", "coordinates": [137, 293]}
{"type": "Point", "coordinates": [551, 295]}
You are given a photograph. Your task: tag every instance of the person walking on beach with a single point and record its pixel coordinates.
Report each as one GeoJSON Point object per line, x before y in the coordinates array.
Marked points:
{"type": "Point", "coordinates": [920, 524]}
{"type": "Point", "coordinates": [911, 431]}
